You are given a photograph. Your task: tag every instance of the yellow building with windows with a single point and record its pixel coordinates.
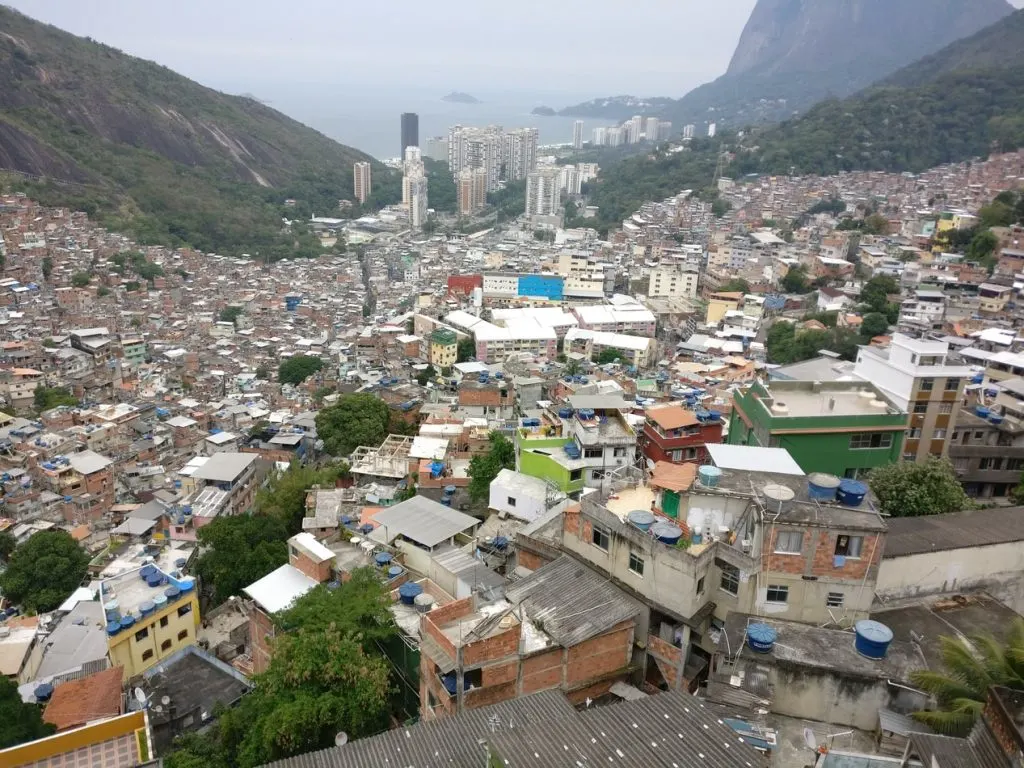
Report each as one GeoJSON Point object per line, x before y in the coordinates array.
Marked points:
{"type": "Point", "coordinates": [444, 348]}
{"type": "Point", "coordinates": [150, 615]}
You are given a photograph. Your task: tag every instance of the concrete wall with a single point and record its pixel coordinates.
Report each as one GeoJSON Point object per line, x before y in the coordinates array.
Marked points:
{"type": "Point", "coordinates": [846, 701]}
{"type": "Point", "coordinates": [998, 569]}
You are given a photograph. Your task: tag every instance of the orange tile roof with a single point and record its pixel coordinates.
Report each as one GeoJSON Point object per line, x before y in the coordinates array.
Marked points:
{"type": "Point", "coordinates": [673, 477]}
{"type": "Point", "coordinates": [78, 702]}
{"type": "Point", "coordinates": [81, 533]}
{"type": "Point", "coordinates": [672, 417]}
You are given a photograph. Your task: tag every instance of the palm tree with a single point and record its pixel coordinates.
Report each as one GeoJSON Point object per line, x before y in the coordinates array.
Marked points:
{"type": "Point", "coordinates": [970, 668]}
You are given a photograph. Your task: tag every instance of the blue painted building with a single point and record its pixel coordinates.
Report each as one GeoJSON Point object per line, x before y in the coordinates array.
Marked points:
{"type": "Point", "coordinates": [549, 287]}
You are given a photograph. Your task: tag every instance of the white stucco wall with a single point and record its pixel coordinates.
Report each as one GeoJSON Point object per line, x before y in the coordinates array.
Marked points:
{"type": "Point", "coordinates": [997, 569]}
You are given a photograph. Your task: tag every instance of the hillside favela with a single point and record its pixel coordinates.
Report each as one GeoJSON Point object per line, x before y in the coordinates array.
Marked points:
{"type": "Point", "coordinates": [349, 424]}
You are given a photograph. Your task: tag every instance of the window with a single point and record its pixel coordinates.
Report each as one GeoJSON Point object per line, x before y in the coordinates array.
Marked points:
{"type": "Point", "coordinates": [952, 385]}
{"type": "Point", "coordinates": [593, 453]}
{"type": "Point", "coordinates": [939, 434]}
{"type": "Point", "coordinates": [142, 634]}
{"type": "Point", "coordinates": [185, 610]}
{"type": "Point", "coordinates": [789, 542]}
{"type": "Point", "coordinates": [946, 408]}
{"type": "Point", "coordinates": [849, 546]}
{"type": "Point", "coordinates": [165, 645]}
{"type": "Point", "coordinates": [511, 501]}
{"type": "Point", "coordinates": [979, 435]}
{"type": "Point", "coordinates": [927, 385]}
{"type": "Point", "coordinates": [576, 474]}
{"type": "Point", "coordinates": [834, 600]}
{"type": "Point", "coordinates": [914, 434]}
{"type": "Point", "coordinates": [871, 440]}
{"type": "Point", "coordinates": [163, 621]}
{"type": "Point", "coordinates": [961, 463]}
{"type": "Point", "coordinates": [183, 634]}
{"type": "Point", "coordinates": [600, 537]}
{"type": "Point", "coordinates": [620, 451]}
{"type": "Point", "coordinates": [147, 655]}
{"type": "Point", "coordinates": [909, 456]}
{"type": "Point", "coordinates": [730, 579]}
{"type": "Point", "coordinates": [636, 564]}
{"type": "Point", "coordinates": [700, 586]}
{"type": "Point", "coordinates": [920, 408]}
{"type": "Point", "coordinates": [991, 463]}
{"type": "Point", "coordinates": [778, 593]}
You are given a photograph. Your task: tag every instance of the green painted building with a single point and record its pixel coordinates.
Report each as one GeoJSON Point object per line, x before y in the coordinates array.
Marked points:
{"type": "Point", "coordinates": [844, 428]}
{"type": "Point", "coordinates": [543, 456]}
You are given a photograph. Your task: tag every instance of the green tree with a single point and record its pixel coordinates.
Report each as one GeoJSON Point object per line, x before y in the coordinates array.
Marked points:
{"type": "Point", "coordinates": [874, 324]}
{"type": "Point", "coordinates": [102, 291]}
{"type": "Point", "coordinates": [361, 603]}
{"type": "Point", "coordinates": [795, 280]}
{"type": "Point", "coordinates": [47, 267]}
{"type": "Point", "coordinates": [913, 489]}
{"type": "Point", "coordinates": [80, 279]}
{"type": "Point", "coordinates": [43, 571]}
{"type": "Point", "coordinates": [238, 550]}
{"type": "Point", "coordinates": [19, 722]}
{"type": "Point", "coordinates": [1017, 494]}
{"type": "Point", "coordinates": [132, 286]}
{"type": "Point", "coordinates": [466, 350]}
{"type": "Point", "coordinates": [961, 687]}
{"type": "Point", "coordinates": [996, 214]}
{"type": "Point", "coordinates": [194, 750]}
{"type": "Point", "coordinates": [483, 469]}
{"type": "Point", "coordinates": [263, 372]}
{"type": "Point", "coordinates": [7, 544]}
{"type": "Point", "coordinates": [319, 682]}
{"type": "Point", "coordinates": [356, 419]}
{"type": "Point", "coordinates": [982, 247]}
{"type": "Point", "coordinates": [608, 355]}
{"type": "Point", "coordinates": [876, 291]}
{"type": "Point", "coordinates": [284, 497]}
{"type": "Point", "coordinates": [45, 398]}
{"type": "Point", "coordinates": [231, 314]}
{"type": "Point", "coordinates": [720, 207]}
{"type": "Point", "coordinates": [736, 284]}
{"type": "Point", "coordinates": [572, 367]}
{"type": "Point", "coordinates": [427, 374]}
{"type": "Point", "coordinates": [876, 224]}
{"type": "Point", "coordinates": [298, 368]}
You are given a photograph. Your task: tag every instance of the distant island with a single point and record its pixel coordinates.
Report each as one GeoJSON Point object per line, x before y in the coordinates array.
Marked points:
{"type": "Point", "coordinates": [544, 111]}
{"type": "Point", "coordinates": [458, 97]}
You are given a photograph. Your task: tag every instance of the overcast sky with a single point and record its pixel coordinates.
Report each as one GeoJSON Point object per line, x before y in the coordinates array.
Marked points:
{"type": "Point", "coordinates": [595, 47]}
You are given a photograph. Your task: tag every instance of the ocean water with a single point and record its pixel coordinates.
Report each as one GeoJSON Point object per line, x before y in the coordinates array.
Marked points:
{"type": "Point", "coordinates": [369, 120]}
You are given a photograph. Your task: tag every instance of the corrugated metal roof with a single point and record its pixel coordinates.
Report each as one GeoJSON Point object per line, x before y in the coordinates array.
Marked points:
{"type": "Point", "coordinates": [421, 520]}
{"type": "Point", "coordinates": [571, 602]}
{"type": "Point", "coordinates": [936, 533]}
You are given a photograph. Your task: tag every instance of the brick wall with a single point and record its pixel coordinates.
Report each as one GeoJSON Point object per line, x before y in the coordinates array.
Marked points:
{"type": "Point", "coordinates": [543, 671]}
{"type": "Point", "coordinates": [493, 648]}
{"type": "Point", "coordinates": [818, 555]}
{"type": "Point", "coordinates": [261, 634]}
{"type": "Point", "coordinates": [601, 655]}
{"type": "Point", "coordinates": [319, 572]}
{"type": "Point", "coordinates": [530, 560]}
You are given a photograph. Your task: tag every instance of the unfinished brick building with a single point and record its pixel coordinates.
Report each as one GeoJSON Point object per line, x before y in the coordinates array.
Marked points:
{"type": "Point", "coordinates": [562, 627]}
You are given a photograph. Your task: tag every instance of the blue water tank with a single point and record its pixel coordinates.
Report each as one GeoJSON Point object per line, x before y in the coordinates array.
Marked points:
{"type": "Point", "coordinates": [146, 607]}
{"type": "Point", "coordinates": [43, 692]}
{"type": "Point", "coordinates": [450, 490]}
{"type": "Point", "coordinates": [667, 533]}
{"type": "Point", "coordinates": [641, 518]}
{"type": "Point", "coordinates": [500, 542]}
{"type": "Point", "coordinates": [146, 571]}
{"type": "Point", "coordinates": [761, 638]}
{"type": "Point", "coordinates": [159, 601]}
{"type": "Point", "coordinates": [127, 621]}
{"type": "Point", "coordinates": [852, 492]}
{"type": "Point", "coordinates": [446, 501]}
{"type": "Point", "coordinates": [982, 411]}
{"type": "Point", "coordinates": [186, 583]}
{"type": "Point", "coordinates": [709, 476]}
{"type": "Point", "coordinates": [382, 558]}
{"type": "Point", "coordinates": [172, 593]}
{"type": "Point", "coordinates": [112, 610]}
{"type": "Point", "coordinates": [822, 486]}
{"type": "Point", "coordinates": [714, 415]}
{"type": "Point", "coordinates": [995, 418]}
{"type": "Point", "coordinates": [113, 627]}
{"type": "Point", "coordinates": [154, 580]}
{"type": "Point", "coordinates": [395, 571]}
{"type": "Point", "coordinates": [565, 413]}
{"type": "Point", "coordinates": [407, 592]}
{"type": "Point", "coordinates": [871, 638]}
{"type": "Point", "coordinates": [977, 378]}
{"type": "Point", "coordinates": [449, 682]}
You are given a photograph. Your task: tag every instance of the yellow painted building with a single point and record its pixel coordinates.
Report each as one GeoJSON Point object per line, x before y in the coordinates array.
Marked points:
{"type": "Point", "coordinates": [150, 615]}
{"type": "Point", "coordinates": [444, 348]}
{"type": "Point", "coordinates": [118, 742]}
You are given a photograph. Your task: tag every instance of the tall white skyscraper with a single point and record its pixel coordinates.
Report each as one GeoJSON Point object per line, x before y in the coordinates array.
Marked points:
{"type": "Point", "coordinates": [712, 129]}
{"type": "Point", "coordinates": [543, 193]}
{"type": "Point", "coordinates": [470, 148]}
{"type": "Point", "coordinates": [651, 130]}
{"type": "Point", "coordinates": [569, 179]}
{"type": "Point", "coordinates": [362, 182]}
{"type": "Point", "coordinates": [664, 130]}
{"type": "Point", "coordinates": [689, 131]}
{"type": "Point", "coordinates": [600, 136]}
{"type": "Point", "coordinates": [616, 136]}
{"type": "Point", "coordinates": [635, 127]}
{"type": "Point", "coordinates": [577, 135]}
{"type": "Point", "coordinates": [519, 153]}
{"type": "Point", "coordinates": [414, 187]}
{"type": "Point", "coordinates": [437, 148]}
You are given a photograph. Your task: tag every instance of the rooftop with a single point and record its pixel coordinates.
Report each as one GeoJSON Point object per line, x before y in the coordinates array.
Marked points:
{"type": "Point", "coordinates": [422, 521]}
{"type": "Point", "coordinates": [129, 593]}
{"type": "Point", "coordinates": [280, 588]}
{"type": "Point", "coordinates": [957, 530]}
{"type": "Point", "coordinates": [78, 702]}
{"type": "Point", "coordinates": [224, 467]}
{"type": "Point", "coordinates": [754, 459]}
{"type": "Point", "coordinates": [803, 399]}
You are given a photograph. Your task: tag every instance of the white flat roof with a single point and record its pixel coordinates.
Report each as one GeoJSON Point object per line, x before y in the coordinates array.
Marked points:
{"type": "Point", "coordinates": [753, 458]}
{"type": "Point", "coordinates": [279, 589]}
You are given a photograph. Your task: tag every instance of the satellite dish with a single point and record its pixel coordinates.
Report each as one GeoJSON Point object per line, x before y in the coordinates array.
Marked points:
{"type": "Point", "coordinates": [165, 700]}
{"type": "Point", "coordinates": [140, 696]}
{"type": "Point", "coordinates": [158, 708]}
{"type": "Point", "coordinates": [341, 739]}
{"type": "Point", "coordinates": [810, 739]}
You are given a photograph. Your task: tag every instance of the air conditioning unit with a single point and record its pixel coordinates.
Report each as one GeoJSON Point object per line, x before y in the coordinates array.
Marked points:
{"type": "Point", "coordinates": [747, 545]}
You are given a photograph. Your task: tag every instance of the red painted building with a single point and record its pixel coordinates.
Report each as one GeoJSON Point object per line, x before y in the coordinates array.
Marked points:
{"type": "Point", "coordinates": [463, 285]}
{"type": "Point", "coordinates": [674, 434]}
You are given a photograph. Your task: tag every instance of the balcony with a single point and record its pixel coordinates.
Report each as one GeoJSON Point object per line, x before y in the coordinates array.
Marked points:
{"type": "Point", "coordinates": [592, 428]}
